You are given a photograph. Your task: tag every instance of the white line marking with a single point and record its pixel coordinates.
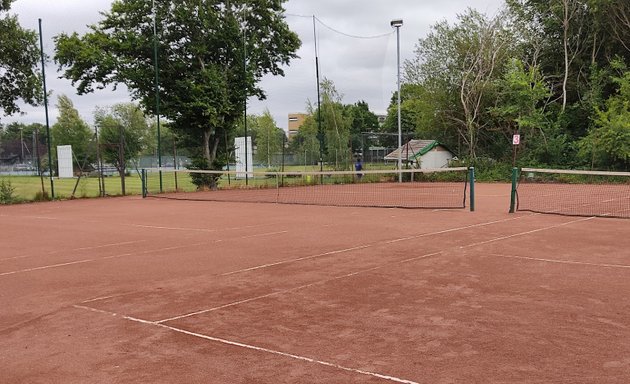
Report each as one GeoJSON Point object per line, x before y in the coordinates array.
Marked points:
{"type": "Point", "coordinates": [294, 260]}
{"type": "Point", "coordinates": [77, 249]}
{"type": "Point", "coordinates": [289, 355]}
{"type": "Point", "coordinates": [367, 246]}
{"type": "Point", "coordinates": [525, 233]}
{"type": "Point", "coordinates": [159, 250]}
{"type": "Point", "coordinates": [47, 267]}
{"type": "Point", "coordinates": [277, 293]}
{"type": "Point", "coordinates": [561, 261]}
{"type": "Point", "coordinates": [98, 299]}
{"type": "Point", "coordinates": [200, 229]}
{"type": "Point", "coordinates": [252, 347]}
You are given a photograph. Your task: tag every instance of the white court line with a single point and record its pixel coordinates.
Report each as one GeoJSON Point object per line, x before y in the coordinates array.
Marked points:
{"type": "Point", "coordinates": [200, 229]}
{"type": "Point", "coordinates": [277, 293]}
{"type": "Point", "coordinates": [253, 347]}
{"type": "Point", "coordinates": [295, 288]}
{"type": "Point", "coordinates": [526, 232]}
{"type": "Point", "coordinates": [158, 250]}
{"type": "Point", "coordinates": [561, 261]}
{"type": "Point", "coordinates": [338, 251]}
{"type": "Point", "coordinates": [47, 267]}
{"type": "Point", "coordinates": [77, 249]}
{"type": "Point", "coordinates": [98, 299]}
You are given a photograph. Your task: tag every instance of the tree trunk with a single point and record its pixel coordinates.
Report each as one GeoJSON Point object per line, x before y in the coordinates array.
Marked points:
{"type": "Point", "coordinates": [565, 44]}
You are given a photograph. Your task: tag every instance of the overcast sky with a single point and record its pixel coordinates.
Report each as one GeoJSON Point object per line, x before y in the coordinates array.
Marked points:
{"type": "Point", "coordinates": [361, 67]}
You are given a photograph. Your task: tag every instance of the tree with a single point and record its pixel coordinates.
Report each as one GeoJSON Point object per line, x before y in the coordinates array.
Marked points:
{"type": "Point", "coordinates": [608, 141]}
{"type": "Point", "coordinates": [70, 129]}
{"type": "Point", "coordinates": [269, 138]}
{"type": "Point", "coordinates": [203, 83]}
{"type": "Point", "coordinates": [123, 133]}
{"type": "Point", "coordinates": [19, 56]}
{"type": "Point", "coordinates": [459, 64]}
{"type": "Point", "coordinates": [362, 120]}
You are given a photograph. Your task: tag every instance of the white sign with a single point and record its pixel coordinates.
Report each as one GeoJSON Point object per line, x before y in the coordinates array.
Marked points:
{"type": "Point", "coordinates": [516, 139]}
{"type": "Point", "coordinates": [239, 154]}
{"type": "Point", "coordinates": [64, 161]}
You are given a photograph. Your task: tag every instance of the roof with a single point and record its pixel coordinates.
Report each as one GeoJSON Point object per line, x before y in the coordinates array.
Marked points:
{"type": "Point", "coordinates": [413, 149]}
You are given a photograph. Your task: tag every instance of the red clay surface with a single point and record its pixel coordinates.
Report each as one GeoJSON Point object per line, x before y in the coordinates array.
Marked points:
{"type": "Point", "coordinates": [159, 291]}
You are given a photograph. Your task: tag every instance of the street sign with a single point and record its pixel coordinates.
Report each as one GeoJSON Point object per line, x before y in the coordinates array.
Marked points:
{"type": "Point", "coordinates": [516, 139]}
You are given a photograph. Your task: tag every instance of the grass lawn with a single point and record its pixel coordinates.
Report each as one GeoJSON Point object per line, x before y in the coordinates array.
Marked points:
{"type": "Point", "coordinates": [26, 188]}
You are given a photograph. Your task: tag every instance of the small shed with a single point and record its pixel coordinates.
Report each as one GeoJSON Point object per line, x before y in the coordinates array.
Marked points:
{"type": "Point", "coordinates": [423, 154]}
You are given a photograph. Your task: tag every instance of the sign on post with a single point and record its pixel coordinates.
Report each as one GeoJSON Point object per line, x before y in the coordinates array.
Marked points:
{"type": "Point", "coordinates": [239, 149]}
{"type": "Point", "coordinates": [64, 161]}
{"type": "Point", "coordinates": [516, 139]}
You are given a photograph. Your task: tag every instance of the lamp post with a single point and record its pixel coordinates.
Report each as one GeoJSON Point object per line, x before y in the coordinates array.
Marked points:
{"type": "Point", "coordinates": [397, 24]}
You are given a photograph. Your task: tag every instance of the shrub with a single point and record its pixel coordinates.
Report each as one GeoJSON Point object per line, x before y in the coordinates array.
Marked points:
{"type": "Point", "coordinates": [7, 192]}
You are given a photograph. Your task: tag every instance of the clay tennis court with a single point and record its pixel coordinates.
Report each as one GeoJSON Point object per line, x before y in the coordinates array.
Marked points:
{"type": "Point", "coordinates": [138, 290]}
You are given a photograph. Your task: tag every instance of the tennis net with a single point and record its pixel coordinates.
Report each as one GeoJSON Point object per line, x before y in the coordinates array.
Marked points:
{"type": "Point", "coordinates": [571, 192]}
{"type": "Point", "coordinates": [435, 188]}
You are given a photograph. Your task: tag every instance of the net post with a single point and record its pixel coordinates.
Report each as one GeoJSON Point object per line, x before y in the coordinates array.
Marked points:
{"type": "Point", "coordinates": [513, 192]}
{"type": "Point", "coordinates": [471, 175]}
{"type": "Point", "coordinates": [143, 182]}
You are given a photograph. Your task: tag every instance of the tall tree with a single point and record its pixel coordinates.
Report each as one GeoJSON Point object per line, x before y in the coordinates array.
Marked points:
{"type": "Point", "coordinates": [362, 120]}
{"type": "Point", "coordinates": [19, 56]}
{"type": "Point", "coordinates": [124, 130]}
{"type": "Point", "coordinates": [269, 138]}
{"type": "Point", "coordinates": [71, 129]}
{"type": "Point", "coordinates": [607, 144]}
{"type": "Point", "coordinates": [459, 63]}
{"type": "Point", "coordinates": [202, 47]}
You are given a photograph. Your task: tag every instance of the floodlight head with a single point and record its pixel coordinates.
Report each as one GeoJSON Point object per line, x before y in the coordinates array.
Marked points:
{"type": "Point", "coordinates": [396, 23]}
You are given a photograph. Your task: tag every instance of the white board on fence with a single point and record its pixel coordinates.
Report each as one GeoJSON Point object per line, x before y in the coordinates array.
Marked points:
{"type": "Point", "coordinates": [64, 161]}
{"type": "Point", "coordinates": [239, 154]}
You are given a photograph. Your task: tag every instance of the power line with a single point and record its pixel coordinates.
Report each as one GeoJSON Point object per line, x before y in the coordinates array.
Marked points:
{"type": "Point", "coordinates": [338, 31]}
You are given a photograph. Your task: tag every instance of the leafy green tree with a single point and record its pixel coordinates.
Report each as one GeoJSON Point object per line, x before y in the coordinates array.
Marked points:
{"type": "Point", "coordinates": [521, 103]}
{"type": "Point", "coordinates": [459, 64]}
{"type": "Point", "coordinates": [269, 138]}
{"type": "Point", "coordinates": [122, 126]}
{"type": "Point", "coordinates": [336, 126]}
{"type": "Point", "coordinates": [203, 82]}
{"type": "Point", "coordinates": [362, 120]}
{"type": "Point", "coordinates": [70, 129]}
{"type": "Point", "coordinates": [608, 142]}
{"type": "Point", "coordinates": [19, 56]}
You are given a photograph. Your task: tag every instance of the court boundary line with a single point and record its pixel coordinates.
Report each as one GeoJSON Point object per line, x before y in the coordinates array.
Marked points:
{"type": "Point", "coordinates": [558, 261]}
{"type": "Point", "coordinates": [382, 242]}
{"type": "Point", "coordinates": [251, 346]}
{"type": "Point", "coordinates": [527, 232]}
{"type": "Point", "coordinates": [199, 312]}
{"type": "Point", "coordinates": [294, 289]}
{"type": "Point", "coordinates": [77, 249]}
{"type": "Point", "coordinates": [158, 250]}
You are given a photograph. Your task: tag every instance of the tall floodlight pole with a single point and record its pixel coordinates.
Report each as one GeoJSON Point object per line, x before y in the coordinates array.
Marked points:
{"type": "Point", "coordinates": [397, 24]}
{"type": "Point", "coordinates": [245, 101]}
{"type": "Point", "coordinates": [320, 133]}
{"type": "Point", "coordinates": [157, 92]}
{"type": "Point", "coordinates": [50, 173]}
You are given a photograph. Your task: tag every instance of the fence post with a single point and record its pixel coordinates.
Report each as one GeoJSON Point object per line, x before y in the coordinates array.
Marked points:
{"type": "Point", "coordinates": [513, 192]}
{"type": "Point", "coordinates": [144, 183]}
{"type": "Point", "coordinates": [472, 189]}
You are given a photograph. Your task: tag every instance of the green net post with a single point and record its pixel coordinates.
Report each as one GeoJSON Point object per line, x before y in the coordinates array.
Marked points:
{"type": "Point", "coordinates": [143, 176]}
{"type": "Point", "coordinates": [472, 188]}
{"type": "Point", "coordinates": [513, 193]}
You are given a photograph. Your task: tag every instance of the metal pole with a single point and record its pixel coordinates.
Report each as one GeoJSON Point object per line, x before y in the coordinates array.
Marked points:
{"type": "Point", "coordinates": [245, 106]}
{"type": "Point", "coordinates": [397, 24]}
{"type": "Point", "coordinates": [157, 92]}
{"type": "Point", "coordinates": [50, 173]}
{"type": "Point", "coordinates": [320, 132]}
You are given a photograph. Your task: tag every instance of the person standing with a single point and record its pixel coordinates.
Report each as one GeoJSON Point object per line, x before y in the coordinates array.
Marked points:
{"type": "Point", "coordinates": [358, 166]}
